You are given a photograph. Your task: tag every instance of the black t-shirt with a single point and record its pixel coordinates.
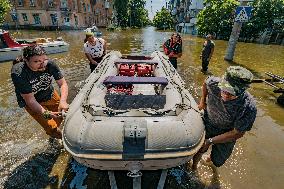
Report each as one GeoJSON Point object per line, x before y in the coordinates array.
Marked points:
{"type": "Point", "coordinates": [207, 48]}
{"type": "Point", "coordinates": [40, 83]}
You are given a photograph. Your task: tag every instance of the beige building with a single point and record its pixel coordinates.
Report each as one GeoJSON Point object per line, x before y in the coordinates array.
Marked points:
{"type": "Point", "coordinates": [59, 14]}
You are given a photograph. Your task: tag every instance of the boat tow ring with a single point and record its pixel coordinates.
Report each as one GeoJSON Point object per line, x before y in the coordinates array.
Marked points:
{"type": "Point", "coordinates": [134, 174]}
{"type": "Point", "coordinates": [134, 169]}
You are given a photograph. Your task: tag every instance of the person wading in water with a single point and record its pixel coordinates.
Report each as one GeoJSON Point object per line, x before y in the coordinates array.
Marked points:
{"type": "Point", "coordinates": [229, 112]}
{"type": "Point", "coordinates": [95, 49]}
{"type": "Point", "coordinates": [207, 52]}
{"type": "Point", "coordinates": [173, 48]}
{"type": "Point", "coordinates": [32, 77]}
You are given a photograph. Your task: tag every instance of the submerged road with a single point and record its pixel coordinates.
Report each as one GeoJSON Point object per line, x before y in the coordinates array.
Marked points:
{"type": "Point", "coordinates": [29, 160]}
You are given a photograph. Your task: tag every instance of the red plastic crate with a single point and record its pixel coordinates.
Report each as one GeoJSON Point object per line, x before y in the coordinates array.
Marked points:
{"type": "Point", "coordinates": [126, 70]}
{"type": "Point", "coordinates": [144, 70]}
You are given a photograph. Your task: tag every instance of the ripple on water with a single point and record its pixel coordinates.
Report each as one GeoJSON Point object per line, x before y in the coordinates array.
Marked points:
{"type": "Point", "coordinates": [80, 175]}
{"type": "Point", "coordinates": [26, 160]}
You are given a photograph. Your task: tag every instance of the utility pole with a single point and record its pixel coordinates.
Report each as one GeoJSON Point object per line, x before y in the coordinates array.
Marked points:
{"type": "Point", "coordinates": [234, 36]}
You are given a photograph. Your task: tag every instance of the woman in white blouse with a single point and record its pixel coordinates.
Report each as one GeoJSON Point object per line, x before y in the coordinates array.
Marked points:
{"type": "Point", "coordinates": [95, 49]}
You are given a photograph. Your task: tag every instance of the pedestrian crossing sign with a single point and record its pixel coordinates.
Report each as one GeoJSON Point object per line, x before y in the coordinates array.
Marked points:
{"type": "Point", "coordinates": [243, 13]}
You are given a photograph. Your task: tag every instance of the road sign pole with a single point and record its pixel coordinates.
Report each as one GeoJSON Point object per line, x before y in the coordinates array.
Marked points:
{"type": "Point", "coordinates": [233, 41]}
{"type": "Point", "coordinates": [234, 38]}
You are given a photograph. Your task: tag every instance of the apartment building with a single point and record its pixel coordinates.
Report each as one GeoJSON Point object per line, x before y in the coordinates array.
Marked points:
{"type": "Point", "coordinates": [185, 14]}
{"type": "Point", "coordinates": [59, 14]}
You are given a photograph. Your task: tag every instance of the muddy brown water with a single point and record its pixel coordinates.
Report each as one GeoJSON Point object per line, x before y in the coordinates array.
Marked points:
{"type": "Point", "coordinates": [29, 160]}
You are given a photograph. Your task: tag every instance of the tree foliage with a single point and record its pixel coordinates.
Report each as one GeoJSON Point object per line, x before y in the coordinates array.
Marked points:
{"type": "Point", "coordinates": [163, 19]}
{"type": "Point", "coordinates": [131, 13]}
{"type": "Point", "coordinates": [266, 15]}
{"type": "Point", "coordinates": [4, 8]}
{"type": "Point", "coordinates": [138, 15]}
{"type": "Point", "coordinates": [217, 18]}
{"type": "Point", "coordinates": [121, 7]}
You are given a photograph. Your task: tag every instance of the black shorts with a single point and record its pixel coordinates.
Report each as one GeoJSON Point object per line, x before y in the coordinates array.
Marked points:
{"type": "Point", "coordinates": [173, 62]}
{"type": "Point", "coordinates": [98, 60]}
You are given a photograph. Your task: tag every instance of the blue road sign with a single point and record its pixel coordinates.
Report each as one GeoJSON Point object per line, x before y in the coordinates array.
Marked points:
{"type": "Point", "coordinates": [243, 13]}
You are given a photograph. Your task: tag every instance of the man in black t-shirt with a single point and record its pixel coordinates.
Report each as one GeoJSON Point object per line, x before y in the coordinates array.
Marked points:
{"type": "Point", "coordinates": [32, 79]}
{"type": "Point", "coordinates": [207, 52]}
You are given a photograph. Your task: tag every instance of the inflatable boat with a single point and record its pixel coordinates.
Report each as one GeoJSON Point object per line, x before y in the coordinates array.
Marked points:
{"type": "Point", "coordinates": [133, 113]}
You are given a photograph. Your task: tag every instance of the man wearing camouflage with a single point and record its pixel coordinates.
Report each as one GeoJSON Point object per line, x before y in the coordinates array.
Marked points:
{"type": "Point", "coordinates": [229, 111]}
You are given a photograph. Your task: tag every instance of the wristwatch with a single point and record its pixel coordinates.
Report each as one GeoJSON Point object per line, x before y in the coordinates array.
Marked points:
{"type": "Point", "coordinates": [210, 140]}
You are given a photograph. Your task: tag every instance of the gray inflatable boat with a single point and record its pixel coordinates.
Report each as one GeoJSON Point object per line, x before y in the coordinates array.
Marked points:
{"type": "Point", "coordinates": [133, 113]}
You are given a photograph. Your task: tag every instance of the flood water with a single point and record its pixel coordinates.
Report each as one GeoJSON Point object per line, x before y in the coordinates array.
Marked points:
{"type": "Point", "coordinates": [29, 160]}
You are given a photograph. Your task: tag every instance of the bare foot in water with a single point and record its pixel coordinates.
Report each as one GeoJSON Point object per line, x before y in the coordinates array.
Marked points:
{"type": "Point", "coordinates": [206, 160]}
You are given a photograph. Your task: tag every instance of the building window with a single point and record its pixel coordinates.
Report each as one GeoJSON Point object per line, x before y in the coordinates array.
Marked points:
{"type": "Point", "coordinates": [53, 19]}
{"type": "Point", "coordinates": [20, 3]}
{"type": "Point", "coordinates": [25, 17]}
{"type": "Point", "coordinates": [76, 20]}
{"type": "Point", "coordinates": [32, 3]}
{"type": "Point", "coordinates": [66, 21]}
{"type": "Point", "coordinates": [97, 12]}
{"type": "Point", "coordinates": [14, 17]}
{"type": "Point", "coordinates": [63, 3]}
{"type": "Point", "coordinates": [36, 18]}
{"type": "Point", "coordinates": [84, 6]}
{"type": "Point", "coordinates": [50, 3]}
{"type": "Point", "coordinates": [89, 8]}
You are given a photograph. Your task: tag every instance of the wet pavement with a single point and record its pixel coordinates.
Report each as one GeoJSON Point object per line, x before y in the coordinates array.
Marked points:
{"type": "Point", "coordinates": [29, 160]}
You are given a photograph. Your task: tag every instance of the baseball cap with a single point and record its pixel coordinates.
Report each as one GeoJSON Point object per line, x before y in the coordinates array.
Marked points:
{"type": "Point", "coordinates": [88, 32]}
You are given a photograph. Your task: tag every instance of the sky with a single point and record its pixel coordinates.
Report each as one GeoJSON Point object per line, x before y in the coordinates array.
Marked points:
{"type": "Point", "coordinates": [156, 5]}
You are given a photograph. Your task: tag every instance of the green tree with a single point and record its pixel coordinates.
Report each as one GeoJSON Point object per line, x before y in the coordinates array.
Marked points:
{"type": "Point", "coordinates": [138, 15]}
{"type": "Point", "coordinates": [121, 7]}
{"type": "Point", "coordinates": [217, 18]}
{"type": "Point", "coordinates": [266, 15]}
{"type": "Point", "coordinates": [4, 8]}
{"type": "Point", "coordinates": [163, 19]}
